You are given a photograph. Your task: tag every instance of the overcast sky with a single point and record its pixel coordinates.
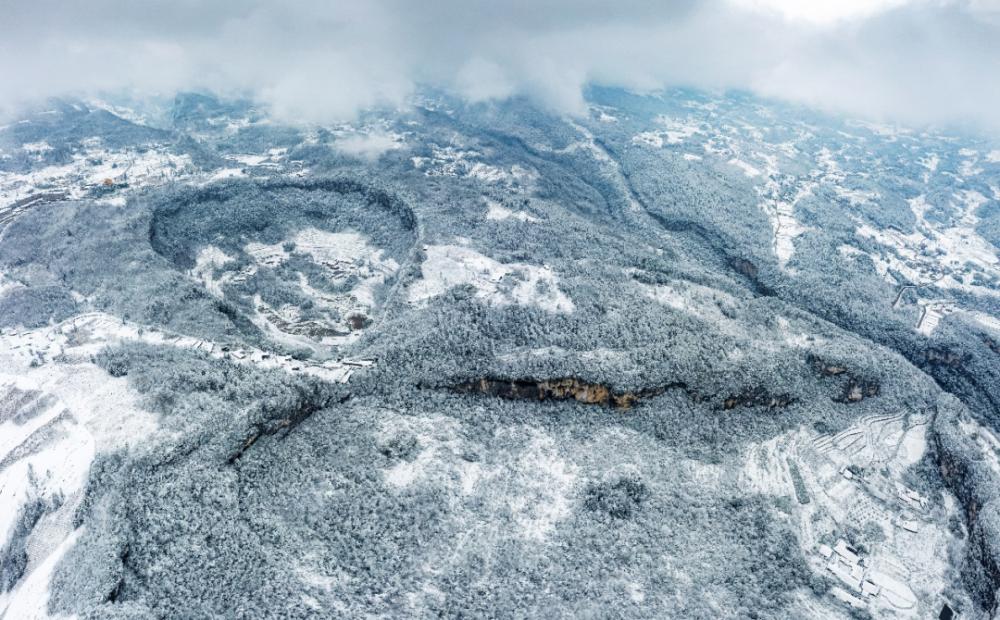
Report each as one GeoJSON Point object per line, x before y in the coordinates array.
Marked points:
{"type": "Point", "coordinates": [911, 61]}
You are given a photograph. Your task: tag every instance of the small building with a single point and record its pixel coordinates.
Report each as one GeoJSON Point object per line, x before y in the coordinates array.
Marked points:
{"type": "Point", "coordinates": [846, 597]}
{"type": "Point", "coordinates": [845, 574]}
{"type": "Point", "coordinates": [857, 573]}
{"type": "Point", "coordinates": [869, 588]}
{"type": "Point", "coordinates": [358, 363]}
{"type": "Point", "coordinates": [847, 554]}
{"type": "Point", "coordinates": [911, 498]}
{"type": "Point", "coordinates": [825, 551]}
{"type": "Point", "coordinates": [917, 497]}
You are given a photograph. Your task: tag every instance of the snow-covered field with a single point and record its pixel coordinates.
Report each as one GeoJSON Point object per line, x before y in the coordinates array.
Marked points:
{"type": "Point", "coordinates": [674, 131]}
{"type": "Point", "coordinates": [947, 257]}
{"type": "Point", "coordinates": [698, 301]}
{"type": "Point", "coordinates": [451, 161]}
{"type": "Point", "coordinates": [97, 166]}
{"type": "Point", "coordinates": [344, 256]}
{"type": "Point", "coordinates": [447, 266]}
{"type": "Point", "coordinates": [56, 419]}
{"type": "Point", "coordinates": [854, 478]}
{"type": "Point", "coordinates": [58, 410]}
{"type": "Point", "coordinates": [497, 212]}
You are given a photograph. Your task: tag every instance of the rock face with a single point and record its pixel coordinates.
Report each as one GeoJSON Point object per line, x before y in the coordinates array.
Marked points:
{"type": "Point", "coordinates": [599, 394]}
{"type": "Point", "coordinates": [553, 389]}
{"type": "Point", "coordinates": [745, 267]}
{"type": "Point", "coordinates": [713, 381]}
{"type": "Point", "coordinates": [854, 388]}
{"type": "Point", "coordinates": [857, 390]}
{"type": "Point", "coordinates": [825, 368]}
{"type": "Point", "coordinates": [967, 472]}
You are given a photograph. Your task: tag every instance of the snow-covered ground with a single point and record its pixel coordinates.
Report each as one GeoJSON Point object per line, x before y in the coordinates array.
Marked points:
{"type": "Point", "coordinates": [497, 212]}
{"type": "Point", "coordinates": [500, 284]}
{"type": "Point", "coordinates": [945, 256]}
{"type": "Point", "coordinates": [457, 162]}
{"type": "Point", "coordinates": [931, 314]}
{"type": "Point", "coordinates": [746, 168]}
{"type": "Point", "coordinates": [696, 300]}
{"type": "Point", "coordinates": [532, 485]}
{"type": "Point", "coordinates": [854, 478]}
{"type": "Point", "coordinates": [78, 339]}
{"type": "Point", "coordinates": [58, 410]}
{"type": "Point", "coordinates": [97, 166]}
{"type": "Point", "coordinates": [345, 256]}
{"type": "Point", "coordinates": [670, 131]}
{"type": "Point", "coordinates": [56, 419]}
{"type": "Point", "coordinates": [272, 158]}
{"type": "Point", "coordinates": [780, 209]}
{"type": "Point", "coordinates": [938, 249]}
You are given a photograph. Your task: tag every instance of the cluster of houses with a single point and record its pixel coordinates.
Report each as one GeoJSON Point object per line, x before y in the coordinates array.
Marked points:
{"type": "Point", "coordinates": [85, 334]}
{"type": "Point", "coordinates": [845, 564]}
{"type": "Point", "coordinates": [861, 582]}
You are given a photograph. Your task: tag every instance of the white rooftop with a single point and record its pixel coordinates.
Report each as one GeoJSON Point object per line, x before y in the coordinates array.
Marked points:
{"type": "Point", "coordinates": [849, 556]}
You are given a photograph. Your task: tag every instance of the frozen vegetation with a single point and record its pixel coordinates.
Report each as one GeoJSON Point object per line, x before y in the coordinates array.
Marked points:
{"type": "Point", "coordinates": [685, 356]}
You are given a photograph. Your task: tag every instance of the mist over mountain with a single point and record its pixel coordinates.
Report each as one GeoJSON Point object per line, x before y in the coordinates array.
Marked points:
{"type": "Point", "coordinates": [684, 310]}
{"type": "Point", "coordinates": [912, 61]}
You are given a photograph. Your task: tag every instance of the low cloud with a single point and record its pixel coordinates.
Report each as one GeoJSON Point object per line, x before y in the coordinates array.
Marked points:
{"type": "Point", "coordinates": [913, 61]}
{"type": "Point", "coordinates": [367, 146]}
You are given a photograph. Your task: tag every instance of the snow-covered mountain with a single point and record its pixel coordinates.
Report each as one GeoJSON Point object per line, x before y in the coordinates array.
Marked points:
{"type": "Point", "coordinates": [686, 355]}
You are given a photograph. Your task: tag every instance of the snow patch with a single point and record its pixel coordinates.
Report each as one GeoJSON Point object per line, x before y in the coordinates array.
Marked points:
{"type": "Point", "coordinates": [675, 132]}
{"type": "Point", "coordinates": [497, 212]}
{"type": "Point", "coordinates": [36, 148]}
{"type": "Point", "coordinates": [748, 169]}
{"type": "Point", "coordinates": [545, 498]}
{"type": "Point", "coordinates": [208, 260]}
{"type": "Point", "coordinates": [500, 284]}
{"type": "Point", "coordinates": [455, 162]}
{"type": "Point", "coordinates": [701, 302]}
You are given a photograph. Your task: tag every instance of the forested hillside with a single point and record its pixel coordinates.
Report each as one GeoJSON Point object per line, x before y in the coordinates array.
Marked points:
{"type": "Point", "coordinates": [685, 355]}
